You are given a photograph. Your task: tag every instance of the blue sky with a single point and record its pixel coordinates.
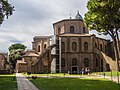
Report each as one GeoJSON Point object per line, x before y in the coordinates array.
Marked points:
{"type": "Point", "coordinates": [35, 17]}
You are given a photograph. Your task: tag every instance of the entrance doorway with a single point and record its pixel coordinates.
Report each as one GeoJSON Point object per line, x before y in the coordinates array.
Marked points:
{"type": "Point", "coordinates": [74, 70]}
{"type": "Point", "coordinates": [101, 65]}
{"type": "Point", "coordinates": [107, 67]}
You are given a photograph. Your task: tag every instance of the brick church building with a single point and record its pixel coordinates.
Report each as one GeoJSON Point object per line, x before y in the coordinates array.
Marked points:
{"type": "Point", "coordinates": [70, 49]}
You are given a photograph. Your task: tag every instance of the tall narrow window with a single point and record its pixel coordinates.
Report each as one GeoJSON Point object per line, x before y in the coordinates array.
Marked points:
{"type": "Point", "coordinates": [59, 30]}
{"type": "Point", "coordinates": [44, 46]}
{"type": "Point", "coordinates": [101, 47]}
{"type": "Point", "coordinates": [101, 65]}
{"type": "Point", "coordinates": [74, 61]}
{"type": "Point", "coordinates": [62, 62]}
{"type": "Point", "coordinates": [96, 62]}
{"type": "Point", "coordinates": [74, 46]}
{"type": "Point", "coordinates": [38, 48]}
{"type": "Point", "coordinates": [96, 45]}
{"type": "Point", "coordinates": [71, 29]}
{"type": "Point", "coordinates": [105, 48]}
{"type": "Point", "coordinates": [85, 46]}
{"type": "Point", "coordinates": [83, 29]}
{"type": "Point", "coordinates": [62, 46]}
{"type": "Point", "coordinates": [86, 62]}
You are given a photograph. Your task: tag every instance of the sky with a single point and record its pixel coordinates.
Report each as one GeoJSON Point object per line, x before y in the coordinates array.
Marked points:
{"type": "Point", "coordinates": [36, 17]}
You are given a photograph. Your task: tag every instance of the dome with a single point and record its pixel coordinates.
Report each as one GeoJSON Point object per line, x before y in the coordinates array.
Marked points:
{"type": "Point", "coordinates": [78, 16]}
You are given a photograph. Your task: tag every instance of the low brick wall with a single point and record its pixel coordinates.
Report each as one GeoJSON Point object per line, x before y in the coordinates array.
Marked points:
{"type": "Point", "coordinates": [4, 71]}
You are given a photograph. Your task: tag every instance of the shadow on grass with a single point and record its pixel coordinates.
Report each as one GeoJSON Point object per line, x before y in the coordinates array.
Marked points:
{"type": "Point", "coordinates": [74, 84]}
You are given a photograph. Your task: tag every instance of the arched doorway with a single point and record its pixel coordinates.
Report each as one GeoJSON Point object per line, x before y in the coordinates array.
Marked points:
{"type": "Point", "coordinates": [101, 65]}
{"type": "Point", "coordinates": [107, 67]}
{"type": "Point", "coordinates": [74, 68]}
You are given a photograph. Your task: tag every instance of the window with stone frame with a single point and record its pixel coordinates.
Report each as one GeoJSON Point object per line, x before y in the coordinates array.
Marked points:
{"type": "Point", "coordinates": [86, 62]}
{"type": "Point", "coordinates": [106, 49]}
{"type": "Point", "coordinates": [38, 48]}
{"type": "Point", "coordinates": [95, 45]}
{"type": "Point", "coordinates": [74, 62]}
{"type": "Point", "coordinates": [72, 29]}
{"type": "Point", "coordinates": [74, 46]}
{"type": "Point", "coordinates": [59, 30]}
{"type": "Point", "coordinates": [86, 46]}
{"type": "Point", "coordinates": [63, 62]}
{"type": "Point", "coordinates": [44, 46]}
{"type": "Point", "coordinates": [83, 29]}
{"type": "Point", "coordinates": [97, 62]}
{"type": "Point", "coordinates": [62, 46]}
{"type": "Point", "coordinates": [101, 47]}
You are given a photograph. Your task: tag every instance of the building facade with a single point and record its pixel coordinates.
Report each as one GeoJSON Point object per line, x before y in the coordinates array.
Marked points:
{"type": "Point", "coordinates": [71, 49]}
{"type": "Point", "coordinates": [4, 65]}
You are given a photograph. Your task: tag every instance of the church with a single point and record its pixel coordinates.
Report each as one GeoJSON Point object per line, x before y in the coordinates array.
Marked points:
{"type": "Point", "coordinates": [70, 49]}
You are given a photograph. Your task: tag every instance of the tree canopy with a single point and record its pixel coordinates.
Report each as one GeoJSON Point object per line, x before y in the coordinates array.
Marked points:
{"type": "Point", "coordinates": [17, 46]}
{"type": "Point", "coordinates": [104, 16]}
{"type": "Point", "coordinates": [6, 9]}
{"type": "Point", "coordinates": [15, 53]}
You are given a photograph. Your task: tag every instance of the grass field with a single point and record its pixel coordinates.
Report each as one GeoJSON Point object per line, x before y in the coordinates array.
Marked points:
{"type": "Point", "coordinates": [74, 84]}
{"type": "Point", "coordinates": [8, 82]}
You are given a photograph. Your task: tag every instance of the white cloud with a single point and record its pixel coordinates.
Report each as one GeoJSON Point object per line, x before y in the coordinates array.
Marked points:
{"type": "Point", "coordinates": [35, 17]}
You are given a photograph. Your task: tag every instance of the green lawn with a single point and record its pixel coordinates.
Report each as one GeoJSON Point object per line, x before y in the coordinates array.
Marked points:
{"type": "Point", "coordinates": [8, 82]}
{"type": "Point", "coordinates": [74, 84]}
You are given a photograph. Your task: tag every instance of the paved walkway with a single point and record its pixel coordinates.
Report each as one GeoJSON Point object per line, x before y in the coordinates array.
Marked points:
{"type": "Point", "coordinates": [24, 84]}
{"type": "Point", "coordinates": [113, 78]}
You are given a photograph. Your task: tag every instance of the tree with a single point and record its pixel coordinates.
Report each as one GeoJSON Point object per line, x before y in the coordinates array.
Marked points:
{"type": "Point", "coordinates": [104, 16]}
{"type": "Point", "coordinates": [15, 53]}
{"type": "Point", "coordinates": [6, 10]}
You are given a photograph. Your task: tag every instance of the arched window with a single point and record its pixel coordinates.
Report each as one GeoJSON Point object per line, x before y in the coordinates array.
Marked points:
{"type": "Point", "coordinates": [85, 46]}
{"type": "Point", "coordinates": [59, 30]}
{"type": "Point", "coordinates": [62, 62]}
{"type": "Point", "coordinates": [105, 48]}
{"type": "Point", "coordinates": [62, 46]}
{"type": "Point", "coordinates": [38, 48]}
{"type": "Point", "coordinates": [101, 47]}
{"type": "Point", "coordinates": [71, 29]}
{"type": "Point", "coordinates": [86, 62]}
{"type": "Point", "coordinates": [83, 29]}
{"type": "Point", "coordinates": [96, 62]}
{"type": "Point", "coordinates": [74, 61]}
{"type": "Point", "coordinates": [96, 45]}
{"type": "Point", "coordinates": [101, 65]}
{"type": "Point", "coordinates": [74, 46]}
{"type": "Point", "coordinates": [44, 46]}
{"type": "Point", "coordinates": [107, 67]}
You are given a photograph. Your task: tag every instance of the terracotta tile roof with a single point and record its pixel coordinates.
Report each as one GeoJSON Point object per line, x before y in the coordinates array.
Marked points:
{"type": "Point", "coordinates": [67, 20]}
{"type": "Point", "coordinates": [40, 37]}
{"type": "Point", "coordinates": [31, 54]}
{"type": "Point", "coordinates": [21, 61]}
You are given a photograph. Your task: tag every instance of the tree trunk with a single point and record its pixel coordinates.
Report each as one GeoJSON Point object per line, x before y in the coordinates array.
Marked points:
{"type": "Point", "coordinates": [116, 50]}
{"type": "Point", "coordinates": [118, 42]}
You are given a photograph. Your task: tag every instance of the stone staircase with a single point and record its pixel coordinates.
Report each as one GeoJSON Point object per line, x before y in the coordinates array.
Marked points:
{"type": "Point", "coordinates": [108, 59]}
{"type": "Point", "coordinates": [46, 51]}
